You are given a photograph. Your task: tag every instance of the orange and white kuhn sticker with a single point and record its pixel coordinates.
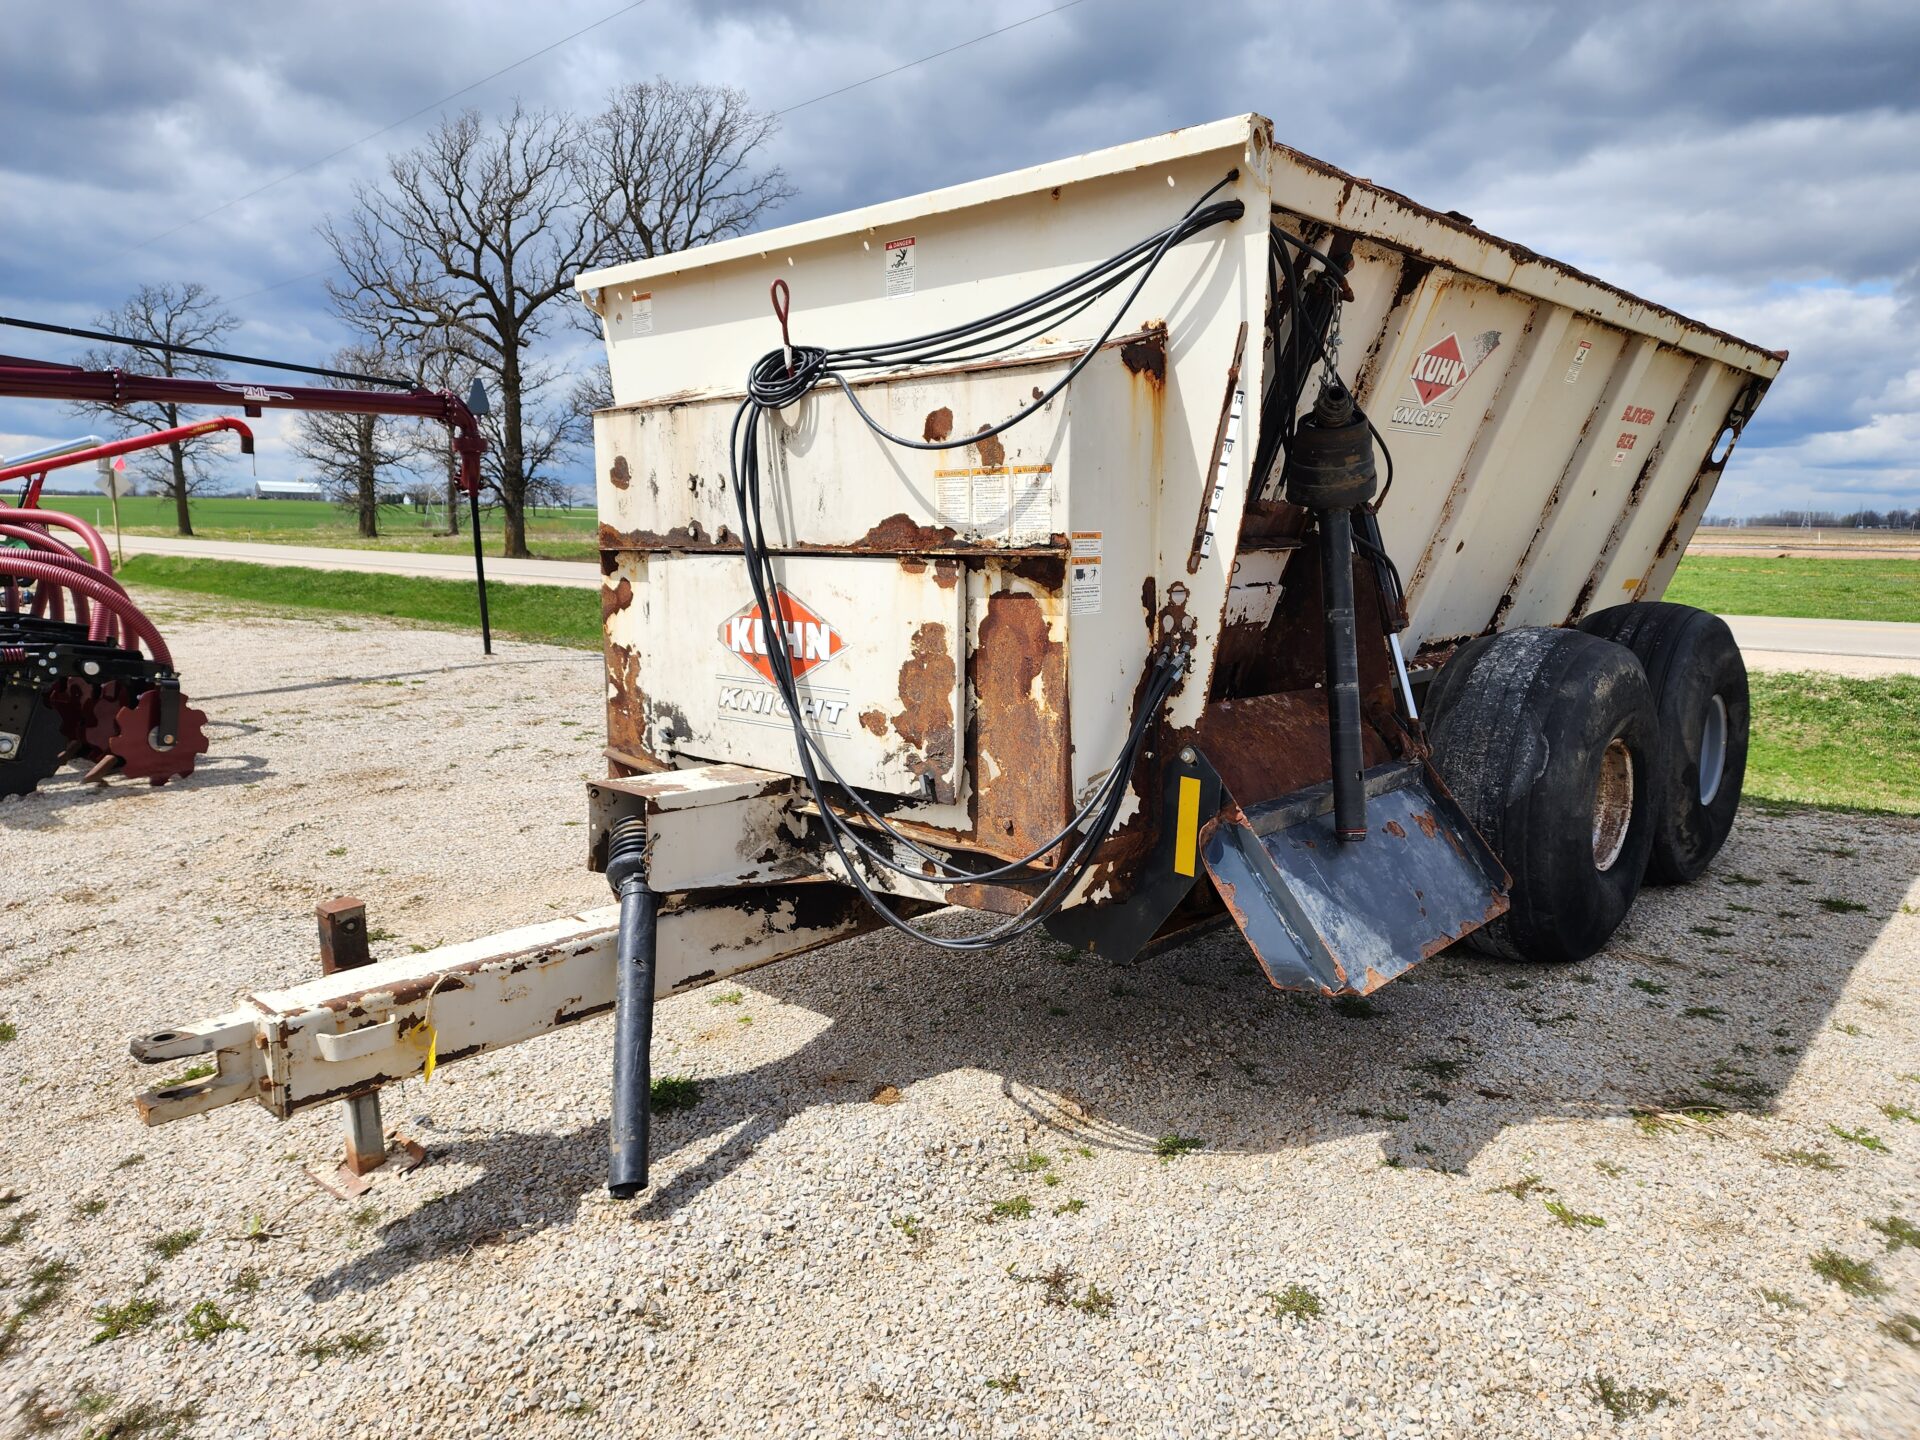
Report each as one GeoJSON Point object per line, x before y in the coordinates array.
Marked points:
{"type": "Point", "coordinates": [1436, 376]}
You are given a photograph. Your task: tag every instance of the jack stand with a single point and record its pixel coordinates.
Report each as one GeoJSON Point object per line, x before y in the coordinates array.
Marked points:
{"type": "Point", "coordinates": [343, 946]}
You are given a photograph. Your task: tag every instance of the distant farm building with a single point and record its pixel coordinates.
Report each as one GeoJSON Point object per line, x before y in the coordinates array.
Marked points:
{"type": "Point", "coordinates": [287, 490]}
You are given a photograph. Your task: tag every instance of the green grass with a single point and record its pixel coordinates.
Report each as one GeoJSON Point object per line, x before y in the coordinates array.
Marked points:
{"type": "Point", "coordinates": [206, 1320]}
{"type": "Point", "coordinates": [1802, 589]}
{"type": "Point", "coordinates": [118, 1320]}
{"type": "Point", "coordinates": [673, 1092]}
{"type": "Point", "coordinates": [1901, 1233]}
{"type": "Point", "coordinates": [170, 1245]}
{"type": "Point", "coordinates": [552, 534]}
{"type": "Point", "coordinates": [1172, 1147]}
{"type": "Point", "coordinates": [1862, 1137]}
{"type": "Point", "coordinates": [350, 1342]}
{"type": "Point", "coordinates": [1295, 1301]}
{"type": "Point", "coordinates": [1856, 1277]}
{"type": "Point", "coordinates": [555, 614]}
{"type": "Point", "coordinates": [1829, 740]}
{"type": "Point", "coordinates": [1572, 1218]}
{"type": "Point", "coordinates": [1623, 1402]}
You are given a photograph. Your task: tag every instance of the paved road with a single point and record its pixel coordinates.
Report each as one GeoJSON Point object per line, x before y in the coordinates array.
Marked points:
{"type": "Point", "coordinates": [1851, 647]}
{"type": "Point", "coordinates": [384, 562]}
{"type": "Point", "coordinates": [1854, 647]}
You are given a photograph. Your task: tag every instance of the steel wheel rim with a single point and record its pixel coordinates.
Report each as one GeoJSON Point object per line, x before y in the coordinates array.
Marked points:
{"type": "Point", "coordinates": [1612, 805]}
{"type": "Point", "coordinates": [1713, 750]}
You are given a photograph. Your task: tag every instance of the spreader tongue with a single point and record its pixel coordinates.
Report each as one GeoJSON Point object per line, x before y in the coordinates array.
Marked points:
{"type": "Point", "coordinates": [1345, 919]}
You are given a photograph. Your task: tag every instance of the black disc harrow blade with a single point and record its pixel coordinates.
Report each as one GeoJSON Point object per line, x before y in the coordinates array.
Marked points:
{"type": "Point", "coordinates": [51, 676]}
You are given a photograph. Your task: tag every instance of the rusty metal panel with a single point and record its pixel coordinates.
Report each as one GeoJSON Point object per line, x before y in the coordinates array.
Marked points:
{"type": "Point", "coordinates": [878, 660]}
{"type": "Point", "coordinates": [663, 480]}
{"type": "Point", "coordinates": [706, 827]}
{"type": "Point", "coordinates": [1022, 740]}
{"type": "Point", "coordinates": [1346, 919]}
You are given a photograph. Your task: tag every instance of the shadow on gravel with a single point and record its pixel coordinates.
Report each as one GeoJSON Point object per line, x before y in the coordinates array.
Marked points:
{"type": "Point", "coordinates": [67, 788]}
{"type": "Point", "coordinates": [1703, 1005]}
{"type": "Point", "coordinates": [333, 682]}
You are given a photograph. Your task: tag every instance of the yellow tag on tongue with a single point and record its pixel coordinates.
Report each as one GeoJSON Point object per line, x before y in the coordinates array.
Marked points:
{"type": "Point", "coordinates": [424, 1038]}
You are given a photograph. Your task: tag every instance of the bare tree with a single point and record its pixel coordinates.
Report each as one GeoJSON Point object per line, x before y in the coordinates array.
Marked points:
{"type": "Point", "coordinates": [439, 362]}
{"type": "Point", "coordinates": [672, 166]}
{"type": "Point", "coordinates": [152, 317]}
{"type": "Point", "coordinates": [481, 227]}
{"type": "Point", "coordinates": [476, 232]}
{"type": "Point", "coordinates": [351, 453]}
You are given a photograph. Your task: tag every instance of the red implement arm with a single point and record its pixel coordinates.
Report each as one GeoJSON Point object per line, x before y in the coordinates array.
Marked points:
{"type": "Point", "coordinates": [34, 471]}
{"type": "Point", "coordinates": [38, 380]}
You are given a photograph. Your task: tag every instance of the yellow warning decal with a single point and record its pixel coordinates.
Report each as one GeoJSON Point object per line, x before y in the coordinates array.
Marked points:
{"type": "Point", "coordinates": [1186, 834]}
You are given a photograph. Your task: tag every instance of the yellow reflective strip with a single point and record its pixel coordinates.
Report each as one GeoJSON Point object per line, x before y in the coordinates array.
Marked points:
{"type": "Point", "coordinates": [1186, 834]}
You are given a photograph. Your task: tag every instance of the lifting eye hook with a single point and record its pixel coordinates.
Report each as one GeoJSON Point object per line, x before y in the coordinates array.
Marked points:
{"type": "Point", "coordinates": [782, 307]}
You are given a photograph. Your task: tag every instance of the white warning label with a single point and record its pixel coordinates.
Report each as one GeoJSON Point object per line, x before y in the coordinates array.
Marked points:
{"type": "Point", "coordinates": [1085, 586]}
{"type": "Point", "coordinates": [1002, 504]}
{"type": "Point", "coordinates": [899, 263]}
{"type": "Point", "coordinates": [1580, 353]}
{"type": "Point", "coordinates": [643, 313]}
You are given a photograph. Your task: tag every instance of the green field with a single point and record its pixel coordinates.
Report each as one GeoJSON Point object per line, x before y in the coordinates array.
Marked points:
{"type": "Point", "coordinates": [1817, 739]}
{"type": "Point", "coordinates": [1837, 589]}
{"type": "Point", "coordinates": [1801, 589]}
{"type": "Point", "coordinates": [1822, 739]}
{"type": "Point", "coordinates": [554, 614]}
{"type": "Point", "coordinates": [551, 534]}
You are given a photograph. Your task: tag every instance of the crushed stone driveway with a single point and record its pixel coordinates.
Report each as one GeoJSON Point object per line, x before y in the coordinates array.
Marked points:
{"type": "Point", "coordinates": [1672, 1191]}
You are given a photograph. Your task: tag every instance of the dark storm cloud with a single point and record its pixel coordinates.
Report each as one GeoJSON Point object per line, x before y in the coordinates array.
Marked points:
{"type": "Point", "coordinates": [1756, 164]}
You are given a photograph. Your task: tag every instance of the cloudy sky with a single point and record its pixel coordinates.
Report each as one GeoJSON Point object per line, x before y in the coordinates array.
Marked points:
{"type": "Point", "coordinates": [1753, 164]}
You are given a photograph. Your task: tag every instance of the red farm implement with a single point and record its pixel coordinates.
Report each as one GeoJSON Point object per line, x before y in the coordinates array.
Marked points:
{"type": "Point", "coordinates": [84, 673]}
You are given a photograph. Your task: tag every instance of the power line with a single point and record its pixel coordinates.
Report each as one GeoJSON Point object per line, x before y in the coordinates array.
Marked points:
{"type": "Point", "coordinates": [924, 59]}
{"type": "Point", "coordinates": [371, 135]}
{"type": "Point", "coordinates": [787, 110]}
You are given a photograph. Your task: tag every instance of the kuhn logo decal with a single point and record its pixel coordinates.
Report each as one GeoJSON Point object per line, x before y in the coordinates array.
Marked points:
{"type": "Point", "coordinates": [1438, 372]}
{"type": "Point", "coordinates": [810, 641]}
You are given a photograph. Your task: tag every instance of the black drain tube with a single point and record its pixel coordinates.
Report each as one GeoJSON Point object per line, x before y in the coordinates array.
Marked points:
{"type": "Point", "coordinates": [632, 1008]}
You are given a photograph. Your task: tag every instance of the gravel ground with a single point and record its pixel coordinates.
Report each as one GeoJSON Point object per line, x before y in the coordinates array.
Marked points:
{"type": "Point", "coordinates": [919, 1194]}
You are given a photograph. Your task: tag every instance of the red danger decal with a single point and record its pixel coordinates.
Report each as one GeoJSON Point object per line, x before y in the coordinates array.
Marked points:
{"type": "Point", "coordinates": [810, 641]}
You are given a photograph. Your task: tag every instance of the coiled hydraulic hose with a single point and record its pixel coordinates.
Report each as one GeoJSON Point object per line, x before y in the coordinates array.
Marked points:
{"type": "Point", "coordinates": [95, 587]}
{"type": "Point", "coordinates": [782, 377]}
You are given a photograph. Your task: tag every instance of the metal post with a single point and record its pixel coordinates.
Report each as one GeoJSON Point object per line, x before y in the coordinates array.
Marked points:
{"type": "Point", "coordinates": [343, 946]}
{"type": "Point", "coordinates": [480, 571]}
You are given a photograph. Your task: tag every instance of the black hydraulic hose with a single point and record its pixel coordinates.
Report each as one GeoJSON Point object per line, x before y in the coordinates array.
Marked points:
{"type": "Point", "coordinates": [1343, 674]}
{"type": "Point", "coordinates": [782, 377]}
{"type": "Point", "coordinates": [632, 1010]}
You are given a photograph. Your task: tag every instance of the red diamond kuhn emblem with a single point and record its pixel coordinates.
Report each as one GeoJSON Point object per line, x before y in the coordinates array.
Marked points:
{"type": "Point", "coordinates": [1444, 367]}
{"type": "Point", "coordinates": [811, 641]}
{"type": "Point", "coordinates": [1439, 369]}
